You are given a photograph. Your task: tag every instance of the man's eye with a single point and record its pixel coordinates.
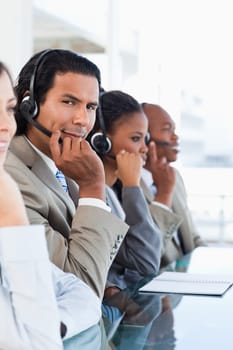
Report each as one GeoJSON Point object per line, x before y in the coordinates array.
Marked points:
{"type": "Point", "coordinates": [92, 107]}
{"type": "Point", "coordinates": [68, 102]}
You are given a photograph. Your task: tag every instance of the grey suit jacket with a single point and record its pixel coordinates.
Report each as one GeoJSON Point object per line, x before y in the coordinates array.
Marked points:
{"type": "Point", "coordinates": [83, 241]}
{"type": "Point", "coordinates": [180, 219]}
{"type": "Point", "coordinates": [140, 253]}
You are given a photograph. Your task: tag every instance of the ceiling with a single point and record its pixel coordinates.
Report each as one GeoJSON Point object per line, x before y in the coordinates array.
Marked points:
{"type": "Point", "coordinates": [53, 32]}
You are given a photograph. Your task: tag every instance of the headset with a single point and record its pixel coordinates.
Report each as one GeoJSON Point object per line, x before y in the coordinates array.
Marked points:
{"type": "Point", "coordinates": [99, 140]}
{"type": "Point", "coordinates": [147, 138]}
{"type": "Point", "coordinates": [29, 108]}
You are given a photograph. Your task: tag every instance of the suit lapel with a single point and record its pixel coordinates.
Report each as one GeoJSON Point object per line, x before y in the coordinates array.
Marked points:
{"type": "Point", "coordinates": [73, 190]}
{"type": "Point", "coordinates": [23, 150]}
{"type": "Point", "coordinates": [113, 202]}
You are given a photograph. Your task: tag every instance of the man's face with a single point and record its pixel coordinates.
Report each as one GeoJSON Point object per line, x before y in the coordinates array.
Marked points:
{"type": "Point", "coordinates": [162, 128]}
{"type": "Point", "coordinates": [70, 106]}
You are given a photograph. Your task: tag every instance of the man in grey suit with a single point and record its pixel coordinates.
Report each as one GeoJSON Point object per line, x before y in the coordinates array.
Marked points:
{"type": "Point", "coordinates": [164, 188]}
{"type": "Point", "coordinates": [58, 93]}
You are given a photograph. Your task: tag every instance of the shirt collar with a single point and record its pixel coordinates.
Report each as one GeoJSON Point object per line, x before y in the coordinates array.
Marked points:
{"type": "Point", "coordinates": [50, 163]}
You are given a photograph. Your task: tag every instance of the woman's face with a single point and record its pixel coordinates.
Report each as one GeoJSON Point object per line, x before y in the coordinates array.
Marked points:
{"type": "Point", "coordinates": [129, 133]}
{"type": "Point", "coordinates": [7, 118]}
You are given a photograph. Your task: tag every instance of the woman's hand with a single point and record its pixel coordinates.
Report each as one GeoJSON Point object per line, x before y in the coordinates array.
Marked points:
{"type": "Point", "coordinates": [129, 166]}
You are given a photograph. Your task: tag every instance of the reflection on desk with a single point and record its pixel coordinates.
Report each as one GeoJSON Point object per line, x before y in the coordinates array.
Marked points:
{"type": "Point", "coordinates": [165, 322]}
{"type": "Point", "coordinates": [87, 340]}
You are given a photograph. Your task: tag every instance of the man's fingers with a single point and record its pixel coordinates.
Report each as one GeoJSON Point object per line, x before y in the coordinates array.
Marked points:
{"type": "Point", "coordinates": [152, 152]}
{"type": "Point", "coordinates": [162, 161]}
{"type": "Point", "coordinates": [84, 145]}
{"type": "Point", "coordinates": [55, 146]}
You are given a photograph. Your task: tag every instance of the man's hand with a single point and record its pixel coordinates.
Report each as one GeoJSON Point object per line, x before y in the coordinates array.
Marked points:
{"type": "Point", "coordinates": [110, 291]}
{"type": "Point", "coordinates": [129, 166]}
{"type": "Point", "coordinates": [163, 174]}
{"type": "Point", "coordinates": [76, 159]}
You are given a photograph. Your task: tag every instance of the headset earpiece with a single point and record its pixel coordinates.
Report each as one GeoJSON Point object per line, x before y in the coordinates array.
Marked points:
{"type": "Point", "coordinates": [101, 143]}
{"type": "Point", "coordinates": [28, 108]}
{"type": "Point", "coordinates": [99, 140]}
{"type": "Point", "coordinates": [147, 138]}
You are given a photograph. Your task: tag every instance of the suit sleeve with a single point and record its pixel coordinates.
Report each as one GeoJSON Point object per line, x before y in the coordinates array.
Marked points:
{"type": "Point", "coordinates": [167, 221]}
{"type": "Point", "coordinates": [88, 251]}
{"type": "Point", "coordinates": [79, 306]}
{"type": "Point", "coordinates": [141, 248]}
{"type": "Point", "coordinates": [29, 314]}
{"type": "Point", "coordinates": [84, 244]}
{"type": "Point", "coordinates": [187, 225]}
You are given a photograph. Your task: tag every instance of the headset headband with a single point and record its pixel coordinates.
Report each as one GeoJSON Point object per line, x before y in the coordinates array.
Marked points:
{"type": "Point", "coordinates": [38, 63]}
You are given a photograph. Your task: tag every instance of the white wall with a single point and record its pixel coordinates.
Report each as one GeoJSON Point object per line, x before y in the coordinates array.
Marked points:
{"type": "Point", "coordinates": [16, 33]}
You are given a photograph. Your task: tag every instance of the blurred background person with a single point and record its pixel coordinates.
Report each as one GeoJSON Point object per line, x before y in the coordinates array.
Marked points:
{"type": "Point", "coordinates": [167, 191]}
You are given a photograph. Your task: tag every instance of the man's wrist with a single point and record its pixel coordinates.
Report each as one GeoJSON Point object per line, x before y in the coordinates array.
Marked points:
{"type": "Point", "coordinates": [94, 202]}
{"type": "Point", "coordinates": [164, 199]}
{"type": "Point", "coordinates": [92, 191]}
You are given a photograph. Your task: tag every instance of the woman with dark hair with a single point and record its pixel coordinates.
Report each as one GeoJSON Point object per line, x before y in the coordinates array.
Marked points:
{"type": "Point", "coordinates": [119, 137]}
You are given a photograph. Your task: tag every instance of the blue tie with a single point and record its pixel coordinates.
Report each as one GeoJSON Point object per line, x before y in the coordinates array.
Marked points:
{"type": "Point", "coordinates": [61, 178]}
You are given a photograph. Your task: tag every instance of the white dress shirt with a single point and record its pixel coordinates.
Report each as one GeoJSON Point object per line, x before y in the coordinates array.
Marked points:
{"type": "Point", "coordinates": [29, 315]}
{"type": "Point", "coordinates": [79, 306]}
{"type": "Point", "coordinates": [35, 296]}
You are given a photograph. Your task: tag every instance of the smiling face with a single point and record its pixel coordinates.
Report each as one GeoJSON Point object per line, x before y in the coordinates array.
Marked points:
{"type": "Point", "coordinates": [128, 133]}
{"type": "Point", "coordinates": [70, 106]}
{"type": "Point", "coordinates": [162, 128]}
{"type": "Point", "coordinates": [7, 119]}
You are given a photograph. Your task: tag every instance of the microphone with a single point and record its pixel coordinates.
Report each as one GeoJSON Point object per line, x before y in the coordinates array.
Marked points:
{"type": "Point", "coordinates": [27, 116]}
{"type": "Point", "coordinates": [159, 143]}
{"type": "Point", "coordinates": [110, 156]}
{"type": "Point", "coordinates": [42, 129]}
{"type": "Point", "coordinates": [162, 143]}
{"type": "Point", "coordinates": [39, 127]}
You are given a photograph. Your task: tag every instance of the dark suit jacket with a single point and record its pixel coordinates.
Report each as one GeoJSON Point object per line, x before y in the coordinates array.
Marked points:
{"type": "Point", "coordinates": [83, 240]}
{"type": "Point", "coordinates": [139, 254]}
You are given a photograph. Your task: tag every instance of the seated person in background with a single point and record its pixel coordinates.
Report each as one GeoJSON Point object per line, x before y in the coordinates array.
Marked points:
{"type": "Point", "coordinates": [119, 137]}
{"type": "Point", "coordinates": [39, 303]}
{"type": "Point", "coordinates": [58, 93]}
{"type": "Point", "coordinates": [164, 188]}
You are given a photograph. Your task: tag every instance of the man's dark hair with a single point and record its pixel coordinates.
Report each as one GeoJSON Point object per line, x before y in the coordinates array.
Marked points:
{"type": "Point", "coordinates": [55, 61]}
